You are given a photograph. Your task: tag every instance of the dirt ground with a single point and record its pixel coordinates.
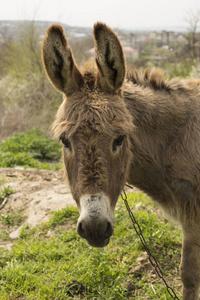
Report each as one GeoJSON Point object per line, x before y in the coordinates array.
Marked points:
{"type": "Point", "coordinates": [36, 194]}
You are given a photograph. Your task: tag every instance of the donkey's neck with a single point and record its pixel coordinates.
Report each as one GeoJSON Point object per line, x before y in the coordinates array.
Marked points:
{"type": "Point", "coordinates": [157, 111]}
{"type": "Point", "coordinates": [159, 118]}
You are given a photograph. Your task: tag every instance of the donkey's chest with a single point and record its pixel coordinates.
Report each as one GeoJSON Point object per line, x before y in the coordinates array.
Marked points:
{"type": "Point", "coordinates": [150, 179]}
{"type": "Point", "coordinates": [162, 187]}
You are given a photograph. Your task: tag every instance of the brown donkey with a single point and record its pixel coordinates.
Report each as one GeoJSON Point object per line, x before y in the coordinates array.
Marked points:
{"type": "Point", "coordinates": [133, 126]}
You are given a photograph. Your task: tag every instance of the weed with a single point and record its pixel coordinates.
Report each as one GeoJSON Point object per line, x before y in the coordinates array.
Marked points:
{"type": "Point", "coordinates": [62, 216]}
{"type": "Point", "coordinates": [27, 231]}
{"type": "Point", "coordinates": [5, 192]}
{"type": "Point", "coordinates": [9, 160]}
{"type": "Point", "coordinates": [4, 235]}
{"type": "Point", "coordinates": [2, 180]}
{"type": "Point", "coordinates": [11, 219]}
{"type": "Point", "coordinates": [33, 142]}
{"type": "Point", "coordinates": [30, 150]}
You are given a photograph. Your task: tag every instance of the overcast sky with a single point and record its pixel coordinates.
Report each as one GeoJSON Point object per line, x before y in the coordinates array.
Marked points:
{"type": "Point", "coordinates": [116, 13]}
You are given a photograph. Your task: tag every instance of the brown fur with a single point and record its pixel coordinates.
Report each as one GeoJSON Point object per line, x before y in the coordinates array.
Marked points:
{"type": "Point", "coordinates": [160, 120]}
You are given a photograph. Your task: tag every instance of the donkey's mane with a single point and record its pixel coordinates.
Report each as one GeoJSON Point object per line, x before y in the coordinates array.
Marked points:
{"type": "Point", "coordinates": [156, 79]}
{"type": "Point", "coordinates": [153, 78]}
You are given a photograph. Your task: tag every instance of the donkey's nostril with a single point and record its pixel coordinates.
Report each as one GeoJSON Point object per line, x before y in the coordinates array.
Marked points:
{"type": "Point", "coordinates": [109, 230]}
{"type": "Point", "coordinates": [81, 230]}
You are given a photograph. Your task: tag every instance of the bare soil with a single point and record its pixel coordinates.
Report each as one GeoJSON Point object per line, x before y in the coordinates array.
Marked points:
{"type": "Point", "coordinates": [36, 194]}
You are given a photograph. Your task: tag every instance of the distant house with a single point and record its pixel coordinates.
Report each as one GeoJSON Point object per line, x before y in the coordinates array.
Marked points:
{"type": "Point", "coordinates": [130, 53]}
{"type": "Point", "coordinates": [181, 39]}
{"type": "Point", "coordinates": [153, 35]}
{"type": "Point", "coordinates": [165, 37]}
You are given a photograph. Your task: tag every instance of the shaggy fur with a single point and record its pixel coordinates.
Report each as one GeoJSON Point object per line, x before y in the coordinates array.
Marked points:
{"type": "Point", "coordinates": [158, 121]}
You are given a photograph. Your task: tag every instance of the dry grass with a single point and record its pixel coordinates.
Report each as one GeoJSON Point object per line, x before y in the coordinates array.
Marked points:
{"type": "Point", "coordinates": [26, 103]}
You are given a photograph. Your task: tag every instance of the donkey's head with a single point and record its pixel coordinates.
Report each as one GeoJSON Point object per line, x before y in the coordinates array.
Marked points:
{"type": "Point", "coordinates": [94, 126]}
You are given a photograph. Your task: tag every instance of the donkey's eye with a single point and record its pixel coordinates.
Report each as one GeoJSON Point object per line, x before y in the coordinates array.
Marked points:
{"type": "Point", "coordinates": [118, 142]}
{"type": "Point", "coordinates": [66, 143]}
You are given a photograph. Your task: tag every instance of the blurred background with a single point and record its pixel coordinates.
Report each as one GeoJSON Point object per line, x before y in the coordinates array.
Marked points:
{"type": "Point", "coordinates": [154, 33]}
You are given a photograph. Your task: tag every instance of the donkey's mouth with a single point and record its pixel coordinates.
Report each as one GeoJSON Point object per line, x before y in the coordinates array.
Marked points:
{"type": "Point", "coordinates": [99, 243]}
{"type": "Point", "coordinates": [96, 220]}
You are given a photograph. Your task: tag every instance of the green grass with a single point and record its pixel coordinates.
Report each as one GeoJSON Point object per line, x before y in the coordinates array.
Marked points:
{"type": "Point", "coordinates": [43, 265]}
{"type": "Point", "coordinates": [30, 150]}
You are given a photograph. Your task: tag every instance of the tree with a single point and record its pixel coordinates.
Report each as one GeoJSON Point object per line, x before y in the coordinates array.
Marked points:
{"type": "Point", "coordinates": [22, 53]}
{"type": "Point", "coordinates": [193, 20]}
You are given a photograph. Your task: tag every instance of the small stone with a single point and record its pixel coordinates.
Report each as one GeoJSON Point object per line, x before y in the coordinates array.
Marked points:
{"type": "Point", "coordinates": [15, 234]}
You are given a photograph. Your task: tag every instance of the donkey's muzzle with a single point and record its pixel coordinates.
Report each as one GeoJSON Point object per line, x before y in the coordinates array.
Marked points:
{"type": "Point", "coordinates": [97, 235]}
{"type": "Point", "coordinates": [95, 223]}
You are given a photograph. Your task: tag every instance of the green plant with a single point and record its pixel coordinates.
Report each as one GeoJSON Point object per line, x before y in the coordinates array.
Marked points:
{"type": "Point", "coordinates": [11, 219]}
{"type": "Point", "coordinates": [62, 216]}
{"type": "Point", "coordinates": [33, 142]}
{"type": "Point", "coordinates": [29, 150]}
{"type": "Point", "coordinates": [180, 69]}
{"type": "Point", "coordinates": [9, 159]}
{"type": "Point", "coordinates": [5, 192]}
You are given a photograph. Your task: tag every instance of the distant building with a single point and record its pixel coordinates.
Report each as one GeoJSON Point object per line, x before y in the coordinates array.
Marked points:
{"type": "Point", "coordinates": [131, 53]}
{"type": "Point", "coordinates": [152, 35]}
{"type": "Point", "coordinates": [181, 39]}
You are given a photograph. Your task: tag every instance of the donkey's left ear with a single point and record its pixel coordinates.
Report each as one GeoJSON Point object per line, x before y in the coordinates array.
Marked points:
{"type": "Point", "coordinates": [59, 62]}
{"type": "Point", "coordinates": [109, 58]}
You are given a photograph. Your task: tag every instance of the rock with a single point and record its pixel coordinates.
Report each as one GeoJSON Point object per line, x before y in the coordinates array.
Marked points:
{"type": "Point", "coordinates": [15, 234]}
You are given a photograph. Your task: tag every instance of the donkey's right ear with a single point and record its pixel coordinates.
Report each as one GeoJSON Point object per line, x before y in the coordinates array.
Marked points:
{"type": "Point", "coordinates": [110, 58]}
{"type": "Point", "coordinates": [59, 63]}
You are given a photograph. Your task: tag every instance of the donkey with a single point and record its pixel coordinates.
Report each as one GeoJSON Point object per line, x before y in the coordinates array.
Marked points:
{"type": "Point", "coordinates": [136, 126]}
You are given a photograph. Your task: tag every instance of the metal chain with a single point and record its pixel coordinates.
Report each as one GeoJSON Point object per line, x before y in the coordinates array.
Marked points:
{"type": "Point", "coordinates": [152, 259]}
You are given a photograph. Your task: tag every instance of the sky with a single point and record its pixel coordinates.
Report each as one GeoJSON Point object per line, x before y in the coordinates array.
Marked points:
{"type": "Point", "coordinates": [127, 14]}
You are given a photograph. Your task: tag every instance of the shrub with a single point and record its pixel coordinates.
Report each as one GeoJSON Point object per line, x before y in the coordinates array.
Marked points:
{"type": "Point", "coordinates": [25, 149]}
{"type": "Point", "coordinates": [26, 103]}
{"type": "Point", "coordinates": [34, 143]}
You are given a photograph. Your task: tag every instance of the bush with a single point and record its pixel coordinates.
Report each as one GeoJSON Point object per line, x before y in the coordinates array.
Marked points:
{"type": "Point", "coordinates": [180, 69]}
{"type": "Point", "coordinates": [34, 143]}
{"type": "Point", "coordinates": [26, 103]}
{"type": "Point", "coordinates": [24, 149]}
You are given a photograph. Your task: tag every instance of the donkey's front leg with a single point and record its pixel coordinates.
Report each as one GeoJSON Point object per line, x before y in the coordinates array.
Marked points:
{"type": "Point", "coordinates": [190, 265]}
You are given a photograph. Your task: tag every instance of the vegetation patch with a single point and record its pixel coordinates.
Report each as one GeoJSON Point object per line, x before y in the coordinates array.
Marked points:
{"type": "Point", "coordinates": [64, 266]}
{"type": "Point", "coordinates": [11, 219]}
{"type": "Point", "coordinates": [32, 149]}
{"type": "Point", "coordinates": [5, 192]}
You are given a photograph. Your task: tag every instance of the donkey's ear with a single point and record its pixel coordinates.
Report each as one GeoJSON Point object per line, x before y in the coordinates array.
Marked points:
{"type": "Point", "coordinates": [59, 63]}
{"type": "Point", "coordinates": [109, 58]}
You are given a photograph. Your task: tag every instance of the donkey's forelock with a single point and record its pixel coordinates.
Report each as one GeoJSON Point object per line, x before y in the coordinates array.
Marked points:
{"type": "Point", "coordinates": [103, 118]}
{"type": "Point", "coordinates": [90, 107]}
